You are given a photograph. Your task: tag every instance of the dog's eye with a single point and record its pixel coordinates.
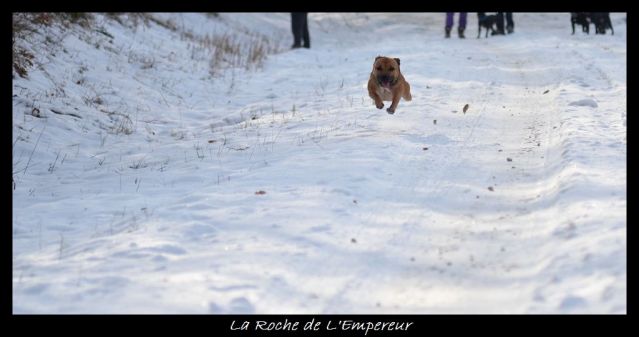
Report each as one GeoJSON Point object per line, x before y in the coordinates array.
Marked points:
{"type": "Point", "coordinates": [391, 68]}
{"type": "Point", "coordinates": [379, 68]}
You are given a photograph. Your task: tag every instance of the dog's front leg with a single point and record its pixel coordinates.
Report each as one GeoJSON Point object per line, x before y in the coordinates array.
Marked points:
{"type": "Point", "coordinates": [378, 101]}
{"type": "Point", "coordinates": [391, 109]}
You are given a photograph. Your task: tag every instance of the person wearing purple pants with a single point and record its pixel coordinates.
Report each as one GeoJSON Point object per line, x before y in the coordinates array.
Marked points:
{"type": "Point", "coordinates": [460, 27]}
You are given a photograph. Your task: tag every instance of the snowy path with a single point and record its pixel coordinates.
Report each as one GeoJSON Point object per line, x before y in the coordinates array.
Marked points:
{"type": "Point", "coordinates": [364, 212]}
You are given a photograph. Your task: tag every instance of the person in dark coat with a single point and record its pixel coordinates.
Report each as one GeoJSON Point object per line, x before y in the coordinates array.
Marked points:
{"type": "Point", "coordinates": [510, 25]}
{"type": "Point", "coordinates": [460, 27]}
{"type": "Point", "coordinates": [299, 23]}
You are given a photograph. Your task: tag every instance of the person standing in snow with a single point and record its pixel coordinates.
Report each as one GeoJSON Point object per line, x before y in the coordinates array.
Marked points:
{"type": "Point", "coordinates": [510, 25]}
{"type": "Point", "coordinates": [460, 27]}
{"type": "Point", "coordinates": [299, 23]}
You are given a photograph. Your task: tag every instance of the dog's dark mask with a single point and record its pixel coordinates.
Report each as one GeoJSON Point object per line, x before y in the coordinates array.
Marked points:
{"type": "Point", "coordinates": [387, 73]}
{"type": "Point", "coordinates": [386, 81]}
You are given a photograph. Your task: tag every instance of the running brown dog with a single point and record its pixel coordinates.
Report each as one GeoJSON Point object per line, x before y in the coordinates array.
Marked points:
{"type": "Point", "coordinates": [387, 83]}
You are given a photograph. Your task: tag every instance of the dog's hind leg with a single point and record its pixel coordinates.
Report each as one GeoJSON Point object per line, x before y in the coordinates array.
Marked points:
{"type": "Point", "coordinates": [407, 96]}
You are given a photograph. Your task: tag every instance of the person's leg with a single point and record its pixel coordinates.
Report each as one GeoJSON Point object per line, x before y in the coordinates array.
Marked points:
{"type": "Point", "coordinates": [449, 20]}
{"type": "Point", "coordinates": [307, 38]}
{"type": "Point", "coordinates": [296, 26]}
{"type": "Point", "coordinates": [510, 25]}
{"type": "Point", "coordinates": [500, 22]}
{"type": "Point", "coordinates": [462, 20]}
{"type": "Point", "coordinates": [462, 25]}
{"type": "Point", "coordinates": [449, 23]}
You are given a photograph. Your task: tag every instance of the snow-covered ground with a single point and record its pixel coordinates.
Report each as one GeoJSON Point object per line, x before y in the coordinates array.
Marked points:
{"type": "Point", "coordinates": [137, 189]}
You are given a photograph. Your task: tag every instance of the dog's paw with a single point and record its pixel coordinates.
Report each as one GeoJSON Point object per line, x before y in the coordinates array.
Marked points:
{"type": "Point", "coordinates": [390, 111]}
{"type": "Point", "coordinates": [380, 106]}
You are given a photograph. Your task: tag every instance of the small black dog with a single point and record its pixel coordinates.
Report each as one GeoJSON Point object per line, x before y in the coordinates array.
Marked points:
{"type": "Point", "coordinates": [580, 18]}
{"type": "Point", "coordinates": [602, 22]}
{"type": "Point", "coordinates": [486, 21]}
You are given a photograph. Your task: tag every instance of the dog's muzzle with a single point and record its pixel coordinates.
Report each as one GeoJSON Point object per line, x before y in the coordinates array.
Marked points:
{"type": "Point", "coordinates": [386, 81]}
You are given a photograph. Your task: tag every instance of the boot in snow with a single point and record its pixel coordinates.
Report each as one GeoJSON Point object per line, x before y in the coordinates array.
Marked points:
{"type": "Point", "coordinates": [461, 33]}
{"type": "Point", "coordinates": [447, 32]}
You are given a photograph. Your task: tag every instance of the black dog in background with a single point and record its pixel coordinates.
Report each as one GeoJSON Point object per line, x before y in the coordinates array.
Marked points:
{"type": "Point", "coordinates": [602, 22]}
{"type": "Point", "coordinates": [599, 19]}
{"type": "Point", "coordinates": [486, 21]}
{"type": "Point", "coordinates": [580, 18]}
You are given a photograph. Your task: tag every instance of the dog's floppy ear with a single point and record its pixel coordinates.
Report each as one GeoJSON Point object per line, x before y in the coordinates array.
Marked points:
{"type": "Point", "coordinates": [378, 57]}
{"type": "Point", "coordinates": [397, 60]}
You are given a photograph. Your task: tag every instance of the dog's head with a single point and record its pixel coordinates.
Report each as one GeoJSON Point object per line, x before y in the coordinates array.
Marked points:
{"type": "Point", "coordinates": [386, 70]}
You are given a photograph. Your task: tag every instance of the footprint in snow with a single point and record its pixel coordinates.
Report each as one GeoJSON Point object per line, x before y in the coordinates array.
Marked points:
{"type": "Point", "coordinates": [584, 102]}
{"type": "Point", "coordinates": [437, 138]}
{"type": "Point", "coordinates": [572, 302]}
{"type": "Point", "coordinates": [238, 305]}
